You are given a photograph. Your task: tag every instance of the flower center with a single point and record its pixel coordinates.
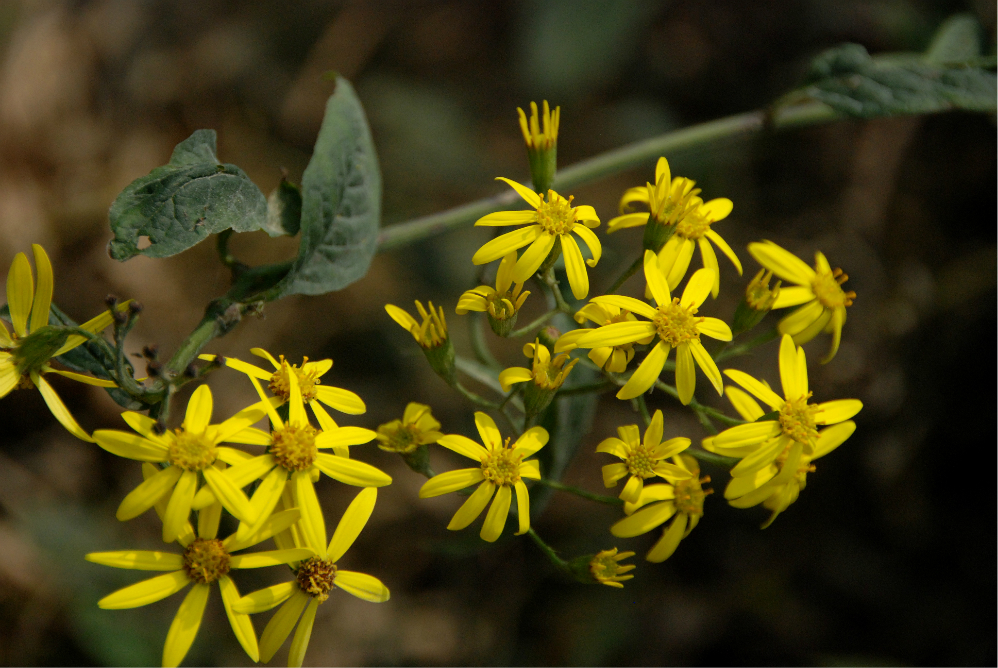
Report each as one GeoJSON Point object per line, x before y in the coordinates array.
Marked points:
{"type": "Point", "coordinates": [640, 462]}
{"type": "Point", "coordinates": [316, 576]}
{"type": "Point", "coordinates": [281, 386]}
{"type": "Point", "coordinates": [678, 200]}
{"type": "Point", "coordinates": [501, 306]}
{"type": "Point", "coordinates": [191, 452]}
{"type": "Point", "coordinates": [797, 420]}
{"type": "Point", "coordinates": [693, 226]}
{"type": "Point", "coordinates": [404, 438]}
{"type": "Point", "coordinates": [827, 287]}
{"type": "Point", "coordinates": [605, 565]}
{"type": "Point", "coordinates": [690, 494]}
{"type": "Point", "coordinates": [556, 215]}
{"type": "Point", "coordinates": [294, 447]}
{"type": "Point", "coordinates": [551, 374]}
{"type": "Point", "coordinates": [501, 466]}
{"type": "Point", "coordinates": [677, 324]}
{"type": "Point", "coordinates": [206, 560]}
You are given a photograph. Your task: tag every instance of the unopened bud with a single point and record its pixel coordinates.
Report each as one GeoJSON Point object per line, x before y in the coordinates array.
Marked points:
{"type": "Point", "coordinates": [759, 299]}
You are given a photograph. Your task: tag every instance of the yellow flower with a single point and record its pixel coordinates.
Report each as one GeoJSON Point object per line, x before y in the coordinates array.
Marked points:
{"type": "Point", "coordinates": [679, 220]}
{"type": "Point", "coordinates": [614, 358]}
{"type": "Point", "coordinates": [430, 333]}
{"type": "Point", "coordinates": [417, 427]}
{"type": "Point", "coordinates": [781, 484]}
{"type": "Point", "coordinates": [642, 459]}
{"type": "Point", "coordinates": [309, 380]}
{"type": "Point", "coordinates": [606, 569]}
{"type": "Point", "coordinates": [681, 500]}
{"type": "Point", "coordinates": [767, 447]}
{"type": "Point", "coordinates": [502, 303]}
{"type": "Point", "coordinates": [552, 220]}
{"type": "Point", "coordinates": [677, 326]}
{"type": "Point", "coordinates": [206, 561]}
{"type": "Point", "coordinates": [502, 467]}
{"type": "Point", "coordinates": [191, 450]}
{"type": "Point", "coordinates": [316, 577]}
{"type": "Point", "coordinates": [819, 290]}
{"type": "Point", "coordinates": [26, 352]}
{"type": "Point", "coordinates": [542, 135]}
{"type": "Point", "coordinates": [545, 376]}
{"type": "Point", "coordinates": [293, 453]}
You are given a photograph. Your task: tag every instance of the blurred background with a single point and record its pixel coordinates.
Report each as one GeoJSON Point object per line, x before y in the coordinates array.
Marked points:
{"type": "Point", "coordinates": [888, 557]}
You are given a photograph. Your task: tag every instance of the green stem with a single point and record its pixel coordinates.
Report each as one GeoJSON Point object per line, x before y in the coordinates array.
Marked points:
{"type": "Point", "coordinates": [478, 343]}
{"type": "Point", "coordinates": [630, 271]}
{"type": "Point", "coordinates": [612, 162]}
{"type": "Point", "coordinates": [743, 348]}
{"type": "Point", "coordinates": [474, 398]}
{"type": "Point", "coordinates": [549, 552]}
{"type": "Point", "coordinates": [552, 283]}
{"type": "Point", "coordinates": [562, 487]}
{"type": "Point", "coordinates": [698, 407]}
{"type": "Point", "coordinates": [643, 408]}
{"type": "Point", "coordinates": [711, 458]}
{"type": "Point", "coordinates": [523, 331]}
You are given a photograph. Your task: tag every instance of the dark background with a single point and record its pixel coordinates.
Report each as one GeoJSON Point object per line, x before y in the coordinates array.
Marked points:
{"type": "Point", "coordinates": [887, 558]}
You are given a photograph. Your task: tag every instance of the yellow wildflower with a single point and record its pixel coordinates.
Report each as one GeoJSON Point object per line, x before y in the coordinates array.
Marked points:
{"type": "Point", "coordinates": [642, 459]}
{"type": "Point", "coordinates": [316, 577]}
{"type": "Point", "coordinates": [817, 291]}
{"type": "Point", "coordinates": [681, 500]}
{"type": "Point", "coordinates": [501, 303]}
{"type": "Point", "coordinates": [541, 132]}
{"type": "Point", "coordinates": [768, 446]}
{"type": "Point", "coordinates": [293, 453]}
{"type": "Point", "coordinates": [546, 376]}
{"type": "Point", "coordinates": [191, 450]}
{"type": "Point", "coordinates": [502, 468]}
{"type": "Point", "coordinates": [614, 358]}
{"type": "Point", "coordinates": [606, 568]}
{"type": "Point", "coordinates": [205, 561]}
{"type": "Point", "coordinates": [417, 427]}
{"type": "Point", "coordinates": [26, 352]}
{"type": "Point", "coordinates": [554, 219]}
{"type": "Point", "coordinates": [430, 333]}
{"type": "Point", "coordinates": [677, 326]}
{"type": "Point", "coordinates": [309, 377]}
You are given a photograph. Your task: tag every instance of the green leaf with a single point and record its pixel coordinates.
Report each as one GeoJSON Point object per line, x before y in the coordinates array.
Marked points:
{"type": "Point", "coordinates": [284, 210]}
{"type": "Point", "coordinates": [851, 82]}
{"type": "Point", "coordinates": [176, 206]}
{"type": "Point", "coordinates": [341, 202]}
{"type": "Point", "coordinates": [957, 40]}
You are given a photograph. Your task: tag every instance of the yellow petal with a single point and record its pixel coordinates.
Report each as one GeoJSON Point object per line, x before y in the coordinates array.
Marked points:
{"type": "Point", "coordinates": [725, 248]}
{"type": "Point", "coordinates": [628, 303]}
{"type": "Point", "coordinates": [781, 262]}
{"type": "Point", "coordinates": [233, 498]}
{"type": "Point", "coordinates": [208, 520]}
{"type": "Point", "coordinates": [20, 292]}
{"type": "Point", "coordinates": [496, 518]}
{"type": "Point", "coordinates": [344, 436]}
{"type": "Point", "coordinates": [647, 372]}
{"type": "Point", "coordinates": [178, 510]}
{"type": "Point", "coordinates": [351, 471]}
{"type": "Point", "coordinates": [575, 267]}
{"type": "Point", "coordinates": [130, 446]}
{"type": "Point", "coordinates": [744, 435]}
{"type": "Point", "coordinates": [199, 409]}
{"type": "Point", "coordinates": [678, 266]}
{"type": "Point", "coordinates": [43, 291]}
{"type": "Point", "coordinates": [835, 324]}
{"type": "Point", "coordinates": [669, 541]}
{"type": "Point", "coordinates": [265, 599]}
{"type": "Point", "coordinates": [509, 377]}
{"type": "Point", "coordinates": [312, 524]}
{"type": "Point", "coordinates": [686, 378]}
{"type": "Point", "coordinates": [534, 256]}
{"type": "Point", "coordinates": [742, 485]}
{"type": "Point", "coordinates": [617, 334]}
{"type": "Point", "coordinates": [700, 285]}
{"type": "Point", "coordinates": [612, 473]}
{"type": "Point", "coordinates": [595, 247]}
{"type": "Point", "coordinates": [530, 469]}
{"type": "Point", "coordinates": [831, 412]}
{"type": "Point", "coordinates": [353, 521]}
{"type": "Point", "coordinates": [710, 262]}
{"type": "Point", "coordinates": [587, 215]}
{"type": "Point", "coordinates": [241, 625]}
{"type": "Point", "coordinates": [531, 198]}
{"type": "Point", "coordinates": [761, 392]}
{"type": "Point", "coordinates": [451, 481]}
{"type": "Point", "coordinates": [140, 560]}
{"type": "Point", "coordinates": [145, 592]}
{"type": "Point", "coordinates": [472, 507]}
{"type": "Point", "coordinates": [500, 218]}
{"type": "Point", "coordinates": [488, 431]}
{"type": "Point", "coordinates": [744, 404]}
{"type": "Point", "coordinates": [761, 458]}
{"type": "Point", "coordinates": [788, 369]}
{"type": "Point", "coordinates": [832, 437]}
{"type": "Point", "coordinates": [706, 363]}
{"type": "Point", "coordinates": [463, 445]}
{"type": "Point", "coordinates": [656, 280]}
{"type": "Point", "coordinates": [299, 644]}
{"type": "Point", "coordinates": [363, 586]}
{"type": "Point", "coordinates": [662, 172]}
{"type": "Point", "coordinates": [530, 442]}
{"type": "Point", "coordinates": [793, 296]}
{"type": "Point", "coordinates": [185, 625]}
{"type": "Point", "coordinates": [628, 219]}
{"type": "Point", "coordinates": [715, 329]}
{"type": "Point", "coordinates": [614, 446]}
{"type": "Point", "coordinates": [644, 520]}
{"type": "Point", "coordinates": [270, 558]}
{"type": "Point", "coordinates": [406, 321]}
{"type": "Point", "coordinates": [522, 507]}
{"type": "Point", "coordinates": [148, 493]}
{"type": "Point", "coordinates": [58, 408]}
{"type": "Point", "coordinates": [279, 627]}
{"type": "Point", "coordinates": [508, 243]}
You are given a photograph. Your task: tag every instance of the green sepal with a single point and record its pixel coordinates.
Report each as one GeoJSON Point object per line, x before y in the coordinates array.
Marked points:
{"type": "Point", "coordinates": [441, 359]}
{"type": "Point", "coordinates": [36, 349]}
{"type": "Point", "coordinates": [501, 327]}
{"type": "Point", "coordinates": [656, 234]}
{"type": "Point", "coordinates": [418, 460]}
{"type": "Point", "coordinates": [745, 318]}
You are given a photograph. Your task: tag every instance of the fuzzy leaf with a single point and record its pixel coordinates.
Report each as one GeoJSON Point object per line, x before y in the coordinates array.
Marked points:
{"type": "Point", "coordinates": [284, 210]}
{"type": "Point", "coordinates": [179, 204]}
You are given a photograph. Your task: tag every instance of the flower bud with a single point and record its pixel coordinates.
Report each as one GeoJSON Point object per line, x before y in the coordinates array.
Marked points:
{"type": "Point", "coordinates": [759, 299]}
{"type": "Point", "coordinates": [540, 134]}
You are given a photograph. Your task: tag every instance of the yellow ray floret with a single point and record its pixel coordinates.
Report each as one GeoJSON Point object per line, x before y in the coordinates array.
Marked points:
{"type": "Point", "coordinates": [606, 568]}
{"type": "Point", "coordinates": [502, 469]}
{"type": "Point", "coordinates": [27, 349]}
{"type": "Point", "coordinates": [205, 562]}
{"type": "Point", "coordinates": [642, 459]}
{"type": "Point", "coordinates": [613, 358]}
{"type": "Point", "coordinates": [316, 579]}
{"type": "Point", "coordinates": [679, 500]}
{"type": "Point", "coordinates": [818, 292]}
{"type": "Point", "coordinates": [502, 302]}
{"type": "Point", "coordinates": [677, 325]}
{"type": "Point", "coordinates": [417, 427]}
{"type": "Point", "coordinates": [553, 220]}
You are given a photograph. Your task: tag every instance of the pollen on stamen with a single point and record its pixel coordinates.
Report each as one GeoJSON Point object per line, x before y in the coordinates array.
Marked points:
{"type": "Point", "coordinates": [294, 447]}
{"type": "Point", "coordinates": [191, 452]}
{"type": "Point", "coordinates": [315, 577]}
